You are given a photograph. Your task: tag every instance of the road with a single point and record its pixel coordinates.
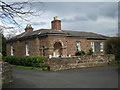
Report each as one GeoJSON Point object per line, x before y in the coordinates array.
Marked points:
{"type": "Point", "coordinates": [95, 77]}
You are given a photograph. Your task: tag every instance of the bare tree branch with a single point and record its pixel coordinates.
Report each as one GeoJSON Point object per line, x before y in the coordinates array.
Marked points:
{"type": "Point", "coordinates": [22, 10]}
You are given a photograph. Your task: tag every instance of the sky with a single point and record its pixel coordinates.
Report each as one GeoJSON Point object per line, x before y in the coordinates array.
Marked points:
{"type": "Point", "coordinates": [97, 17]}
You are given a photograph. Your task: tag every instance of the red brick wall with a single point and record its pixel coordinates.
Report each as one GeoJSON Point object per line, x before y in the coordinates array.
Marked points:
{"type": "Point", "coordinates": [36, 45]}
{"type": "Point", "coordinates": [19, 47]}
{"type": "Point", "coordinates": [56, 24]}
{"type": "Point", "coordinates": [43, 41]}
{"type": "Point", "coordinates": [15, 46]}
{"type": "Point", "coordinates": [95, 41]}
{"type": "Point", "coordinates": [71, 44]}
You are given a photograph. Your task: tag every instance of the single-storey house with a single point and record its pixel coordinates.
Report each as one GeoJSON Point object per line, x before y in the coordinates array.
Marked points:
{"type": "Point", "coordinates": [54, 42]}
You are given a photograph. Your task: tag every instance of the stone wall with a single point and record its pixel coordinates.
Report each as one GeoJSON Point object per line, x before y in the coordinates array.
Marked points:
{"type": "Point", "coordinates": [6, 72]}
{"type": "Point", "coordinates": [79, 62]}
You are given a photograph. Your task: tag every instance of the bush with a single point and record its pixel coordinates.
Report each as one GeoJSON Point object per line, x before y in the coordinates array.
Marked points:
{"type": "Point", "coordinates": [80, 53]}
{"type": "Point", "coordinates": [0, 56]}
{"type": "Point", "coordinates": [112, 46]}
{"type": "Point", "coordinates": [26, 61]}
{"type": "Point", "coordinates": [90, 52]}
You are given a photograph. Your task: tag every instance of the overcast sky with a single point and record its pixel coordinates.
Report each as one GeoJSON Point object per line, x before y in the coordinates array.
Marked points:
{"type": "Point", "coordinates": [97, 17]}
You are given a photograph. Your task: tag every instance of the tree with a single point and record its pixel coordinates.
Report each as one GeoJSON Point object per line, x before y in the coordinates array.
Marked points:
{"type": "Point", "coordinates": [4, 46]}
{"type": "Point", "coordinates": [112, 46]}
{"type": "Point", "coordinates": [11, 11]}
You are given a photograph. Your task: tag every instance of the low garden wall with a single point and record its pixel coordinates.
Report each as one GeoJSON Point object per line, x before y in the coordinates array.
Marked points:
{"type": "Point", "coordinates": [79, 62]}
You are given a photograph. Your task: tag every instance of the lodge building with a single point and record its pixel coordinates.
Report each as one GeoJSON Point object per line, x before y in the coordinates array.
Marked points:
{"type": "Point", "coordinates": [54, 42]}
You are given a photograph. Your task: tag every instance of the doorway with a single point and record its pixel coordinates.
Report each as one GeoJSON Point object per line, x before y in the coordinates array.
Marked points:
{"type": "Point", "coordinates": [57, 49]}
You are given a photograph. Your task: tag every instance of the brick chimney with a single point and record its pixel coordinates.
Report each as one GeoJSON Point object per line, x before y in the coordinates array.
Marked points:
{"type": "Point", "coordinates": [56, 24]}
{"type": "Point", "coordinates": [28, 28]}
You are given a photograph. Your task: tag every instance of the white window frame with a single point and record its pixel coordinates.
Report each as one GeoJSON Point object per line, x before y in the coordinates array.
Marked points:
{"type": "Point", "coordinates": [11, 50]}
{"type": "Point", "coordinates": [78, 45]}
{"type": "Point", "coordinates": [92, 46]}
{"type": "Point", "coordinates": [101, 46]}
{"type": "Point", "coordinates": [27, 50]}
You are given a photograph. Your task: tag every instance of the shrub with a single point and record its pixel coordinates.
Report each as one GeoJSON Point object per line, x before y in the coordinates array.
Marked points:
{"type": "Point", "coordinates": [90, 51]}
{"type": "Point", "coordinates": [80, 53]}
{"type": "Point", "coordinates": [0, 56]}
{"type": "Point", "coordinates": [112, 46]}
{"type": "Point", "coordinates": [26, 61]}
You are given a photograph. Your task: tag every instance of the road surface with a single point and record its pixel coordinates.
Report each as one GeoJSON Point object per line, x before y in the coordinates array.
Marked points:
{"type": "Point", "coordinates": [95, 77]}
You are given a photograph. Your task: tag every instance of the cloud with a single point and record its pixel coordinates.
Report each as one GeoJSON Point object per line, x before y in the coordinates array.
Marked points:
{"type": "Point", "coordinates": [74, 19]}
{"type": "Point", "coordinates": [98, 17]}
{"type": "Point", "coordinates": [83, 8]}
{"type": "Point", "coordinates": [64, 0]}
{"type": "Point", "coordinates": [41, 23]}
{"type": "Point", "coordinates": [80, 18]}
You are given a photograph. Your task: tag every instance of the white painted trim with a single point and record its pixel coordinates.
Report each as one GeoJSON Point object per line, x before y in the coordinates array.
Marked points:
{"type": "Point", "coordinates": [101, 46]}
{"type": "Point", "coordinates": [92, 46]}
{"type": "Point", "coordinates": [78, 45]}
{"type": "Point", "coordinates": [11, 50]}
{"type": "Point", "coordinates": [26, 50]}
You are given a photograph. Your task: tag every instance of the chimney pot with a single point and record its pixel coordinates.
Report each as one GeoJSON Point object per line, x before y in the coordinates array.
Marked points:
{"type": "Point", "coordinates": [28, 28]}
{"type": "Point", "coordinates": [56, 18]}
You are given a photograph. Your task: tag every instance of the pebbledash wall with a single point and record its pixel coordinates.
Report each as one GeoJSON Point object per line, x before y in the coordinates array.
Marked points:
{"type": "Point", "coordinates": [79, 62]}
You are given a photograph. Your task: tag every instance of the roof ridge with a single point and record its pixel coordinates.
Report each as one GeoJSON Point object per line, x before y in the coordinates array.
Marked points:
{"type": "Point", "coordinates": [18, 35]}
{"type": "Point", "coordinates": [41, 29]}
{"type": "Point", "coordinates": [74, 31]}
{"type": "Point", "coordinates": [98, 34]}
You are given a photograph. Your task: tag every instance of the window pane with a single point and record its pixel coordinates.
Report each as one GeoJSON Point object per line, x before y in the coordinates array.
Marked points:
{"type": "Point", "coordinates": [12, 51]}
{"type": "Point", "coordinates": [93, 46]}
{"type": "Point", "coordinates": [101, 46]}
{"type": "Point", "coordinates": [78, 46]}
{"type": "Point", "coordinates": [27, 50]}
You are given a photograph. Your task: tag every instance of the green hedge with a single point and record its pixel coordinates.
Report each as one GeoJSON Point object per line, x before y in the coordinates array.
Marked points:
{"type": "Point", "coordinates": [26, 61]}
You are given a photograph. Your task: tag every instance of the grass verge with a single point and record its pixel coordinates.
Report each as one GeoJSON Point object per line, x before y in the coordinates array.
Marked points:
{"type": "Point", "coordinates": [25, 67]}
{"type": "Point", "coordinates": [116, 63]}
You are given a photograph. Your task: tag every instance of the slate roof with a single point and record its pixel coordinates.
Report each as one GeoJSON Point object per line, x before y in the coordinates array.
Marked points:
{"type": "Point", "coordinates": [66, 33]}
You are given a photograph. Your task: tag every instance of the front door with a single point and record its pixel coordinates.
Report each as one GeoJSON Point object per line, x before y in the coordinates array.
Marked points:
{"type": "Point", "coordinates": [57, 49]}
